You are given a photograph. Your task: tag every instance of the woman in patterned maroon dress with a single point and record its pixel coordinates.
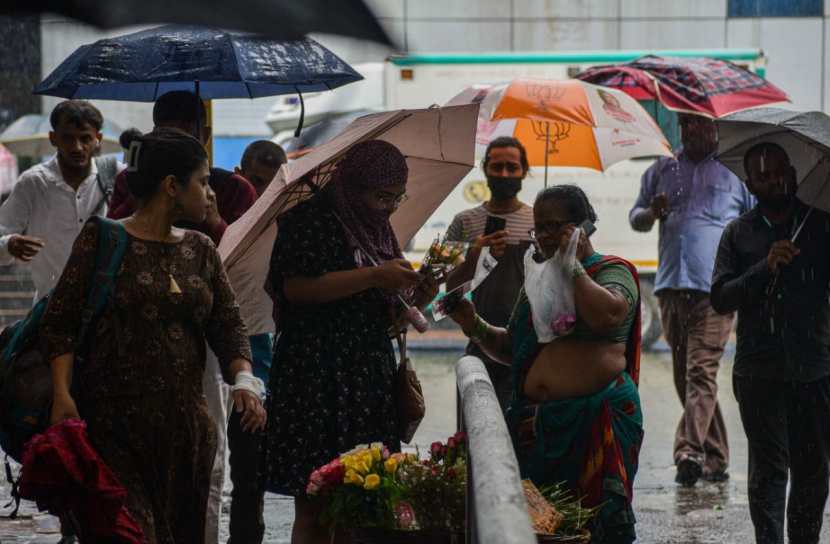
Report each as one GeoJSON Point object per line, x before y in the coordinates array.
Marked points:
{"type": "Point", "coordinates": [140, 385]}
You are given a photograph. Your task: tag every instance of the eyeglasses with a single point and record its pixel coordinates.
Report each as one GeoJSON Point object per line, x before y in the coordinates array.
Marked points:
{"type": "Point", "coordinates": [511, 167]}
{"type": "Point", "coordinates": [389, 199]}
{"type": "Point", "coordinates": [551, 227]}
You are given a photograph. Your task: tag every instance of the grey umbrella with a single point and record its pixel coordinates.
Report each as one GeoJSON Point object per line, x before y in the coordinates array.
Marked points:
{"type": "Point", "coordinates": [805, 136]}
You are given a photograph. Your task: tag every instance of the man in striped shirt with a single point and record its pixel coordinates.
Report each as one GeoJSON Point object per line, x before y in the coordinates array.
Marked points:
{"type": "Point", "coordinates": [505, 165]}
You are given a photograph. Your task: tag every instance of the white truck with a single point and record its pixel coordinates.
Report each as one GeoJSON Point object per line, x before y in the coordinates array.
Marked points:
{"type": "Point", "coordinates": [417, 81]}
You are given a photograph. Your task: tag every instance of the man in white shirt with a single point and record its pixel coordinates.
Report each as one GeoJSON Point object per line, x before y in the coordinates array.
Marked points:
{"type": "Point", "coordinates": [51, 201]}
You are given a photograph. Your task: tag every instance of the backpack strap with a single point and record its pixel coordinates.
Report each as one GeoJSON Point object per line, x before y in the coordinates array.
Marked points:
{"type": "Point", "coordinates": [105, 179]}
{"type": "Point", "coordinates": [111, 247]}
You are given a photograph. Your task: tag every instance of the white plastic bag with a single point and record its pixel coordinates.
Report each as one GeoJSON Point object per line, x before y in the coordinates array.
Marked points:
{"type": "Point", "coordinates": [443, 305]}
{"type": "Point", "coordinates": [550, 289]}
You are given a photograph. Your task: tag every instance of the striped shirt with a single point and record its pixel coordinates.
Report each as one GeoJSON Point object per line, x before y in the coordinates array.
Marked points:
{"type": "Point", "coordinates": [469, 224]}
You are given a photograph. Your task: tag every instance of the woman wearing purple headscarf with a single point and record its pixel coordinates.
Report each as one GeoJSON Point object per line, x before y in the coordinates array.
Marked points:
{"type": "Point", "coordinates": [332, 379]}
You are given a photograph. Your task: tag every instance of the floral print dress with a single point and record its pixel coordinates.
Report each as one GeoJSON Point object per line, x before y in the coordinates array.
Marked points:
{"type": "Point", "coordinates": [140, 387]}
{"type": "Point", "coordinates": [331, 383]}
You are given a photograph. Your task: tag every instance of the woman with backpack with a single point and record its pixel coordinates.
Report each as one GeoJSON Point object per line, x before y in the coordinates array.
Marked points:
{"type": "Point", "coordinates": [137, 378]}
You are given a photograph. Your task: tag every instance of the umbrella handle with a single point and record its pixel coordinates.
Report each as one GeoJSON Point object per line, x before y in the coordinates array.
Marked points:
{"type": "Point", "coordinates": [547, 143]}
{"type": "Point", "coordinates": [302, 115]}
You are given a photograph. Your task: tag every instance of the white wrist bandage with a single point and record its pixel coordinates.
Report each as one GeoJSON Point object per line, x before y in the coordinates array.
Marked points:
{"type": "Point", "coordinates": [246, 381]}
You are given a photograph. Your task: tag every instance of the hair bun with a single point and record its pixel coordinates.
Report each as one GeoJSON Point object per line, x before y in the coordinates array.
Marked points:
{"type": "Point", "coordinates": [129, 136]}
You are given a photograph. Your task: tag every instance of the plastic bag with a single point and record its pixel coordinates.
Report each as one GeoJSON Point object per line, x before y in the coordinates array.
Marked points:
{"type": "Point", "coordinates": [550, 290]}
{"type": "Point", "coordinates": [446, 304]}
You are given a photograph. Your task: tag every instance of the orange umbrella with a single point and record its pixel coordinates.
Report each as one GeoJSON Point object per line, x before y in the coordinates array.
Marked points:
{"type": "Point", "coordinates": [565, 122]}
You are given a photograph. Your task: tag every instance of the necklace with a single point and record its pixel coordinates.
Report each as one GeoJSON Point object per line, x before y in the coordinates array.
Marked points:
{"type": "Point", "coordinates": [146, 232]}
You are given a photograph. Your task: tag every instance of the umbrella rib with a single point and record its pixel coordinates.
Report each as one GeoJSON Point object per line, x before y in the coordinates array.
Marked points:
{"type": "Point", "coordinates": [442, 161]}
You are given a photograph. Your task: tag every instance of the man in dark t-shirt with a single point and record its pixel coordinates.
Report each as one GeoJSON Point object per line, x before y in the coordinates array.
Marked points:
{"type": "Point", "coordinates": [232, 194]}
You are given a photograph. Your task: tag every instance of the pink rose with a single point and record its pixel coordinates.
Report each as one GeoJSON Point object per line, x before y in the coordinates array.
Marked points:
{"type": "Point", "coordinates": [315, 483]}
{"type": "Point", "coordinates": [436, 450]}
{"type": "Point", "coordinates": [405, 515]}
{"type": "Point", "coordinates": [563, 324]}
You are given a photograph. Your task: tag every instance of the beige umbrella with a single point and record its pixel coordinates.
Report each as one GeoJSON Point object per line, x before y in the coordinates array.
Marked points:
{"type": "Point", "coordinates": [439, 145]}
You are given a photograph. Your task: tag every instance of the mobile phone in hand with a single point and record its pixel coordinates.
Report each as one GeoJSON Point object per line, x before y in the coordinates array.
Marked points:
{"type": "Point", "coordinates": [588, 227]}
{"type": "Point", "coordinates": [494, 224]}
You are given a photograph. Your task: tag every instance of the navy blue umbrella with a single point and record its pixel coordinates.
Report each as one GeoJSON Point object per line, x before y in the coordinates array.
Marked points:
{"type": "Point", "coordinates": [211, 63]}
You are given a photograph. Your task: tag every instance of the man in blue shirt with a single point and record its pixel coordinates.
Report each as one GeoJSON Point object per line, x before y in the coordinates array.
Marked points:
{"type": "Point", "coordinates": [693, 197]}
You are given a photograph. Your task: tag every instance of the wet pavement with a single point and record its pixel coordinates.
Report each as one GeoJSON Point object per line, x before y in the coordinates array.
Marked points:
{"type": "Point", "coordinates": [707, 513]}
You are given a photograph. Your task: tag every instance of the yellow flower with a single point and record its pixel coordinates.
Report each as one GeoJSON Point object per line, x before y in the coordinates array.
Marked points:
{"type": "Point", "coordinates": [372, 482]}
{"type": "Point", "coordinates": [391, 465]}
{"type": "Point", "coordinates": [376, 453]}
{"type": "Point", "coordinates": [353, 477]}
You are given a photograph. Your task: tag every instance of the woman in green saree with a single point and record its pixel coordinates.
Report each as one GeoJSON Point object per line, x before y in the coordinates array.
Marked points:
{"type": "Point", "coordinates": [575, 415]}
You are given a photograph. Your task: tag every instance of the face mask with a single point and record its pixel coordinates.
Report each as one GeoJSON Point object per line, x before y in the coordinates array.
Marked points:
{"type": "Point", "coordinates": [504, 188]}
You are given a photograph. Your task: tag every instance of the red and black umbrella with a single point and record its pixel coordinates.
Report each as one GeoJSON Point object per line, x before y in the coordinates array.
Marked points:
{"type": "Point", "coordinates": [702, 86]}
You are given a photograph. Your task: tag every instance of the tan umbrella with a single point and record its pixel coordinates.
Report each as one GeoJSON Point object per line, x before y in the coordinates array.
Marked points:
{"type": "Point", "coordinates": [439, 145]}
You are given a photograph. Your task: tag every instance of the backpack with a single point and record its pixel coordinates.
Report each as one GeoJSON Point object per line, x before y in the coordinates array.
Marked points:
{"type": "Point", "coordinates": [25, 376]}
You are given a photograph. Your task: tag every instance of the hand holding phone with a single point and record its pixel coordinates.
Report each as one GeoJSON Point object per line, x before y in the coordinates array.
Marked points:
{"type": "Point", "coordinates": [588, 227]}
{"type": "Point", "coordinates": [495, 235]}
{"type": "Point", "coordinates": [494, 224]}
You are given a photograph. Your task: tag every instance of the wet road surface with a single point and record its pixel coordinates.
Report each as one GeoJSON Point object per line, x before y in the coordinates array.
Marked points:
{"type": "Point", "coordinates": [707, 513]}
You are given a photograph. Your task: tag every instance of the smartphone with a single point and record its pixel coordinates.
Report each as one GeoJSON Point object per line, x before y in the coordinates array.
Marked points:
{"type": "Point", "coordinates": [494, 224]}
{"type": "Point", "coordinates": [588, 227]}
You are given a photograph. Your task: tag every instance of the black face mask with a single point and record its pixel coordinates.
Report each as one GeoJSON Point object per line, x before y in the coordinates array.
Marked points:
{"type": "Point", "coordinates": [504, 188]}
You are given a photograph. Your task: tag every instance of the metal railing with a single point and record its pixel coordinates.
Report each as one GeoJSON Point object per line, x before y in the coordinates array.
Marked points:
{"type": "Point", "coordinates": [496, 508]}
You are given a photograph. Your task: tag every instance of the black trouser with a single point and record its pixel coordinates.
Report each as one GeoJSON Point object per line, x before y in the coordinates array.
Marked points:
{"type": "Point", "coordinates": [247, 525]}
{"type": "Point", "coordinates": [786, 427]}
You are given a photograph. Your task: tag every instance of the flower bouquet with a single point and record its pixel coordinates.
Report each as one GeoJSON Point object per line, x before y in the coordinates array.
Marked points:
{"type": "Point", "coordinates": [386, 497]}
{"type": "Point", "coordinates": [444, 255]}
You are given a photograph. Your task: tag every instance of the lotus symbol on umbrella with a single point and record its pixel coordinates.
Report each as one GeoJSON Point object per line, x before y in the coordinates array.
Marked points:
{"type": "Point", "coordinates": [545, 94]}
{"type": "Point", "coordinates": [558, 131]}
